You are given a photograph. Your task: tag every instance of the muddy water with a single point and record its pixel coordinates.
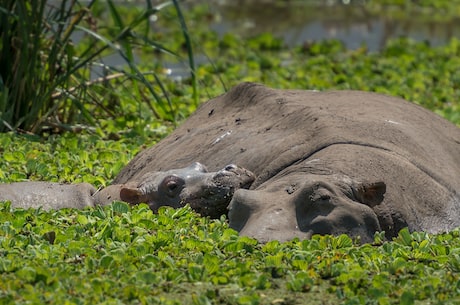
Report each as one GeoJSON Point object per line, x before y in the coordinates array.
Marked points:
{"type": "Point", "coordinates": [297, 22]}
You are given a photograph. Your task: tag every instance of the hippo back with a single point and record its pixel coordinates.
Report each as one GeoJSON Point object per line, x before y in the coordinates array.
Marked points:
{"type": "Point", "coordinates": [267, 130]}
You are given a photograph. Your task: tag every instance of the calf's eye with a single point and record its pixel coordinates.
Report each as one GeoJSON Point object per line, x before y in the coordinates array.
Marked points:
{"type": "Point", "coordinates": [171, 185]}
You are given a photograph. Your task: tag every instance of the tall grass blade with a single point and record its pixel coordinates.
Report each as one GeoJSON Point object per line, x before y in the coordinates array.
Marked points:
{"type": "Point", "coordinates": [188, 44]}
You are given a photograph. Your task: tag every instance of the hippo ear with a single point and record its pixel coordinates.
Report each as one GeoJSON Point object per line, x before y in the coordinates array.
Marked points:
{"type": "Point", "coordinates": [369, 193]}
{"type": "Point", "coordinates": [131, 195]}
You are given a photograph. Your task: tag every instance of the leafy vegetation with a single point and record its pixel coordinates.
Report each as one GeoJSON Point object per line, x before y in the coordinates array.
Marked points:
{"type": "Point", "coordinates": [128, 255]}
{"type": "Point", "coordinates": [118, 255]}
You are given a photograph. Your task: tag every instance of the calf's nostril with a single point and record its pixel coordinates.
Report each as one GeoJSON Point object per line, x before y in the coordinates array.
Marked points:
{"type": "Point", "coordinates": [230, 167]}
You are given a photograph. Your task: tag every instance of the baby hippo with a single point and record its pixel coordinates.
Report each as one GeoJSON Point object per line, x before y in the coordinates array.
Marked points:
{"type": "Point", "coordinates": [208, 193]}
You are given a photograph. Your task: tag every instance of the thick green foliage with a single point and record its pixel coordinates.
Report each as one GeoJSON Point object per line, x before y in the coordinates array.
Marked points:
{"type": "Point", "coordinates": [118, 255]}
{"type": "Point", "coordinates": [66, 158]}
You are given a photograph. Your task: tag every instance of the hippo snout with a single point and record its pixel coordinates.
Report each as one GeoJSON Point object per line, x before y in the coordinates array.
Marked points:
{"type": "Point", "coordinates": [240, 177]}
{"type": "Point", "coordinates": [208, 193]}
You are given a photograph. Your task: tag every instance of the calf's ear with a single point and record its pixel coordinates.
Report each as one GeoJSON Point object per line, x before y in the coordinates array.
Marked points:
{"type": "Point", "coordinates": [369, 193]}
{"type": "Point", "coordinates": [131, 195]}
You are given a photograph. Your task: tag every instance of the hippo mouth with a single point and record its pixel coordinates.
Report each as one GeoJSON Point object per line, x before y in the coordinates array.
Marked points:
{"type": "Point", "coordinates": [216, 193]}
{"type": "Point", "coordinates": [234, 176]}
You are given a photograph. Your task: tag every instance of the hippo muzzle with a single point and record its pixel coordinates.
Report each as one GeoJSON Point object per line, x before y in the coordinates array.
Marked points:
{"type": "Point", "coordinates": [211, 195]}
{"type": "Point", "coordinates": [302, 205]}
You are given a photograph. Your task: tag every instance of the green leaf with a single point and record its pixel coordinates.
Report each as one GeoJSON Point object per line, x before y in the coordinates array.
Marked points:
{"type": "Point", "coordinates": [271, 247]}
{"type": "Point", "coordinates": [82, 219]}
{"type": "Point", "coordinates": [106, 261]}
{"type": "Point", "coordinates": [405, 237]}
{"type": "Point", "coordinates": [407, 298]}
{"type": "Point", "coordinates": [99, 212]}
{"type": "Point", "coordinates": [274, 260]}
{"type": "Point", "coordinates": [120, 207]}
{"type": "Point", "coordinates": [195, 272]}
{"type": "Point", "coordinates": [342, 241]}
{"type": "Point", "coordinates": [252, 299]}
{"type": "Point", "coordinates": [148, 277]}
{"type": "Point", "coordinates": [27, 274]}
{"type": "Point", "coordinates": [300, 282]}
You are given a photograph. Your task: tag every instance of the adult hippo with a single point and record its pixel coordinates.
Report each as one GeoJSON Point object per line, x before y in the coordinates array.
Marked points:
{"type": "Point", "coordinates": [325, 162]}
{"type": "Point", "coordinates": [209, 193]}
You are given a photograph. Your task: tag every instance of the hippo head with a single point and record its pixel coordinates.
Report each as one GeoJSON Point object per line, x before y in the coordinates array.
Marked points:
{"type": "Point", "coordinates": [208, 193]}
{"type": "Point", "coordinates": [300, 205]}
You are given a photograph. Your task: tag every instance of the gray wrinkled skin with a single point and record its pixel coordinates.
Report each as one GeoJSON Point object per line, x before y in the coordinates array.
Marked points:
{"type": "Point", "coordinates": [325, 162]}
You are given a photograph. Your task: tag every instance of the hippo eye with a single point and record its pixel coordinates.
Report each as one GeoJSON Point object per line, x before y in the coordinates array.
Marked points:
{"type": "Point", "coordinates": [172, 185]}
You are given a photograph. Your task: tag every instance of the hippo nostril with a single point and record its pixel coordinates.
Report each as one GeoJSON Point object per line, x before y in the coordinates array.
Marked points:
{"type": "Point", "coordinates": [230, 167]}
